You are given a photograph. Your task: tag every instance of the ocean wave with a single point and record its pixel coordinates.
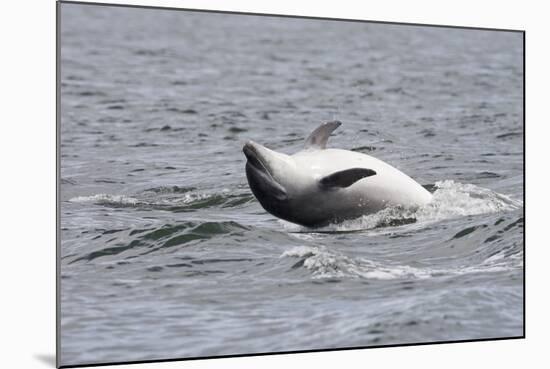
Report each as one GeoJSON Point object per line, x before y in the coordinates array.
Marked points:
{"type": "Point", "coordinates": [325, 263]}
{"type": "Point", "coordinates": [138, 242]}
{"type": "Point", "coordinates": [174, 199]}
{"type": "Point", "coordinates": [106, 199]}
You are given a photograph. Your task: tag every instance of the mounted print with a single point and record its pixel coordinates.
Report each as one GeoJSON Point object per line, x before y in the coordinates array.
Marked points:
{"type": "Point", "coordinates": [241, 184]}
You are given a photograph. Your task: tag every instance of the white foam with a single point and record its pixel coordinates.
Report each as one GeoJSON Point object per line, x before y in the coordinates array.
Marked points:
{"type": "Point", "coordinates": [103, 198]}
{"type": "Point", "coordinates": [109, 199]}
{"type": "Point", "coordinates": [184, 199]}
{"type": "Point", "coordinates": [452, 199]}
{"type": "Point", "coordinates": [329, 264]}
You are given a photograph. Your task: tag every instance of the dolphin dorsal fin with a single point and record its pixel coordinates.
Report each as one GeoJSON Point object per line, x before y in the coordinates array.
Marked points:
{"type": "Point", "coordinates": [317, 140]}
{"type": "Point", "coordinates": [345, 178]}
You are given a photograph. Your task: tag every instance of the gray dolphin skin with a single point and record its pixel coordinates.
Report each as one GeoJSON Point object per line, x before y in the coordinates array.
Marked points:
{"type": "Point", "coordinates": [318, 186]}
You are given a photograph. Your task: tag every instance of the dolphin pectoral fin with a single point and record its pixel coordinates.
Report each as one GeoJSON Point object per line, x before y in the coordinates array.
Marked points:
{"type": "Point", "coordinates": [345, 178]}
{"type": "Point", "coordinates": [319, 137]}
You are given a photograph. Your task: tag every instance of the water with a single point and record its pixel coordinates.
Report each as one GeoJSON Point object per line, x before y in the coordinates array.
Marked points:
{"type": "Point", "coordinates": [166, 253]}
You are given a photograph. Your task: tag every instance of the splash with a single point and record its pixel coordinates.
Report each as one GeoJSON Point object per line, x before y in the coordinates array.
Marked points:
{"type": "Point", "coordinates": [123, 200]}
{"type": "Point", "coordinates": [330, 264]}
{"type": "Point", "coordinates": [452, 199]}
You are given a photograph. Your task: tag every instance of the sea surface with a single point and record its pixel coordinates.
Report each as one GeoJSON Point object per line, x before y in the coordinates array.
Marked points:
{"type": "Point", "coordinates": [165, 253]}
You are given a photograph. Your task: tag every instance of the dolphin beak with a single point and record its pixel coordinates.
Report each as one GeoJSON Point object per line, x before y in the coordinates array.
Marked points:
{"type": "Point", "coordinates": [249, 150]}
{"type": "Point", "coordinates": [260, 177]}
{"type": "Point", "coordinates": [253, 153]}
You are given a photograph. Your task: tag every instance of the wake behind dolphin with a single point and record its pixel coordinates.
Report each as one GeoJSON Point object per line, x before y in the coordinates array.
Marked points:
{"type": "Point", "coordinates": [318, 186]}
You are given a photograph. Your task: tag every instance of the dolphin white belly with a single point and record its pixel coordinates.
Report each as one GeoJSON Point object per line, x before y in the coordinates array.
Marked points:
{"type": "Point", "coordinates": [388, 187]}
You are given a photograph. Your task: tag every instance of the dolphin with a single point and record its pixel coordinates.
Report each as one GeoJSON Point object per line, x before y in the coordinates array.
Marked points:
{"type": "Point", "coordinates": [318, 186]}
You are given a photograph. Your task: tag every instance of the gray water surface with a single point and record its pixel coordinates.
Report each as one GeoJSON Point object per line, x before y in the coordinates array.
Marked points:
{"type": "Point", "coordinates": [165, 253]}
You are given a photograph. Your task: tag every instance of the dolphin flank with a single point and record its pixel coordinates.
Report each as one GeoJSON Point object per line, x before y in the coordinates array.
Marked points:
{"type": "Point", "coordinates": [318, 186]}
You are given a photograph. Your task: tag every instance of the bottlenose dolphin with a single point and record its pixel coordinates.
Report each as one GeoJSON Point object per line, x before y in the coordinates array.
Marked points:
{"type": "Point", "coordinates": [318, 186]}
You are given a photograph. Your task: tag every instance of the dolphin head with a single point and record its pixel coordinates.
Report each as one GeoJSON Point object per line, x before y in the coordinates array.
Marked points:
{"type": "Point", "coordinates": [269, 175]}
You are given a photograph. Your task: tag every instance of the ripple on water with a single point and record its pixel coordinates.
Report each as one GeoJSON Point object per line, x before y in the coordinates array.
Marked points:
{"type": "Point", "coordinates": [145, 241]}
{"type": "Point", "coordinates": [170, 198]}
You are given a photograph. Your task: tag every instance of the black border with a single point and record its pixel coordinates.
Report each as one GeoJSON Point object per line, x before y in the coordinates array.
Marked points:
{"type": "Point", "coordinates": [58, 186]}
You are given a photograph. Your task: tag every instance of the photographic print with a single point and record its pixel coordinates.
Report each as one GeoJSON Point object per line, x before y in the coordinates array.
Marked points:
{"type": "Point", "coordinates": [240, 184]}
